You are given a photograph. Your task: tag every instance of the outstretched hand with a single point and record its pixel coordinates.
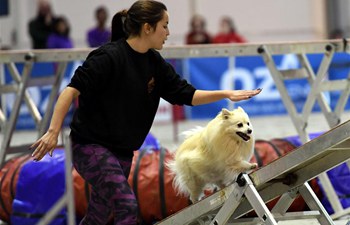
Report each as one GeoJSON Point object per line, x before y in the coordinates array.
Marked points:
{"type": "Point", "coordinates": [47, 143]}
{"type": "Point", "coordinates": [238, 95]}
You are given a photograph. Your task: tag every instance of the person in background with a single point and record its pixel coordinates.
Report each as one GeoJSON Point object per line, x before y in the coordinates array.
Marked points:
{"type": "Point", "coordinates": [198, 33]}
{"type": "Point", "coordinates": [227, 32]}
{"type": "Point", "coordinates": [99, 34]}
{"type": "Point", "coordinates": [59, 38]}
{"type": "Point", "coordinates": [336, 34]}
{"type": "Point", "coordinates": [41, 26]}
{"type": "Point", "coordinates": [119, 87]}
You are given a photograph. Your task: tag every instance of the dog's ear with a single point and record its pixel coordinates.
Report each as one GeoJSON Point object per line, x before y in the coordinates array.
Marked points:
{"type": "Point", "coordinates": [240, 109]}
{"type": "Point", "coordinates": [225, 113]}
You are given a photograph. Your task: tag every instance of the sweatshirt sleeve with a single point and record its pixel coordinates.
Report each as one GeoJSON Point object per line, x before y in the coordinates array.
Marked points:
{"type": "Point", "coordinates": [174, 89]}
{"type": "Point", "coordinates": [93, 74]}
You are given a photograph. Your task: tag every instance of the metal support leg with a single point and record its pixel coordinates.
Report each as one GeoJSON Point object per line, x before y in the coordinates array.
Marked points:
{"type": "Point", "coordinates": [246, 187]}
{"type": "Point", "coordinates": [343, 99]}
{"type": "Point", "coordinates": [315, 87]}
{"type": "Point", "coordinates": [69, 182]}
{"type": "Point", "coordinates": [285, 202]}
{"type": "Point", "coordinates": [68, 197]}
{"type": "Point", "coordinates": [28, 100]}
{"type": "Point", "coordinates": [258, 204]}
{"type": "Point", "coordinates": [330, 192]}
{"type": "Point", "coordinates": [332, 118]}
{"type": "Point", "coordinates": [314, 204]}
{"type": "Point", "coordinates": [53, 95]}
{"type": "Point", "coordinates": [230, 204]}
{"type": "Point", "coordinates": [292, 111]}
{"type": "Point", "coordinates": [10, 126]}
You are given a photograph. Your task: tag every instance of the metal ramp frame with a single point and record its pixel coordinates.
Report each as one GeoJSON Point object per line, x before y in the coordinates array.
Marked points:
{"type": "Point", "coordinates": [286, 177]}
{"type": "Point", "coordinates": [318, 84]}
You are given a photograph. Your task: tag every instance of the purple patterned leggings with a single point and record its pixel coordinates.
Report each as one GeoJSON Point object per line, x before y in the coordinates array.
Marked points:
{"type": "Point", "coordinates": [110, 192]}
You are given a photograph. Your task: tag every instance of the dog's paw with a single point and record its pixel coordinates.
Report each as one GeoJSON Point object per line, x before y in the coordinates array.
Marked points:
{"type": "Point", "coordinates": [253, 166]}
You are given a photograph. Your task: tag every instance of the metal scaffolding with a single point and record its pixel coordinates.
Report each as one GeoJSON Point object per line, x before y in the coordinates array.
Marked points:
{"type": "Point", "coordinates": [318, 85]}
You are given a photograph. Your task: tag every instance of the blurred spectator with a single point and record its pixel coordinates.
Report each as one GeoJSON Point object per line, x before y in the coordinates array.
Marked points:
{"type": "Point", "coordinates": [198, 33]}
{"type": "Point", "coordinates": [40, 27]}
{"type": "Point", "coordinates": [336, 34]}
{"type": "Point", "coordinates": [59, 38]}
{"type": "Point", "coordinates": [99, 34]}
{"type": "Point", "coordinates": [228, 32]}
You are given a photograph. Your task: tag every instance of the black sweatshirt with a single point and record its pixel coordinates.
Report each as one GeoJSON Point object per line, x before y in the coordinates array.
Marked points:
{"type": "Point", "coordinates": [120, 91]}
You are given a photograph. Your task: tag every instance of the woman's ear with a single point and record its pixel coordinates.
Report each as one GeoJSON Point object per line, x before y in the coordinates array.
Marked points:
{"type": "Point", "coordinates": [147, 28]}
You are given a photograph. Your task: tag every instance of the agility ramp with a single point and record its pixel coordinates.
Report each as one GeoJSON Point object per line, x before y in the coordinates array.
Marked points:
{"type": "Point", "coordinates": [286, 177]}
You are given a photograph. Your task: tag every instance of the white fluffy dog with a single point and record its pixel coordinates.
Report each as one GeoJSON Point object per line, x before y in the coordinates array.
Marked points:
{"type": "Point", "coordinates": [214, 154]}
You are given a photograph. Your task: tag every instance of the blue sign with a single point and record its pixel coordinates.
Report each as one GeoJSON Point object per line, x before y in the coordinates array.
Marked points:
{"type": "Point", "coordinates": [250, 72]}
{"type": "Point", "coordinates": [247, 72]}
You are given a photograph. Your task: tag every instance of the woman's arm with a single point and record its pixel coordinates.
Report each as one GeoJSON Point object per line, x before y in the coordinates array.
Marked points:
{"type": "Point", "coordinates": [201, 97]}
{"type": "Point", "coordinates": [48, 142]}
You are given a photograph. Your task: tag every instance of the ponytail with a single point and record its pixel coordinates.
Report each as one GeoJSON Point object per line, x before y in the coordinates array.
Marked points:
{"type": "Point", "coordinates": [127, 23]}
{"type": "Point", "coordinates": [118, 30]}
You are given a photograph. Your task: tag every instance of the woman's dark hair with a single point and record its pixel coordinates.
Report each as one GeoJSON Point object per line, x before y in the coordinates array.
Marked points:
{"type": "Point", "coordinates": [127, 23]}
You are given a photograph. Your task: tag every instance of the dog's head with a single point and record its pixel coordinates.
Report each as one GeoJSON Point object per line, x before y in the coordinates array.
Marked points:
{"type": "Point", "coordinates": [237, 123]}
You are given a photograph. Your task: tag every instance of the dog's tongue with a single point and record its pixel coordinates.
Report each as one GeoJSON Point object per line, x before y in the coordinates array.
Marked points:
{"type": "Point", "coordinates": [243, 136]}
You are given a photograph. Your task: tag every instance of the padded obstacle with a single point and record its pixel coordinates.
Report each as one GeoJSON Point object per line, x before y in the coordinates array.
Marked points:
{"type": "Point", "coordinates": [149, 177]}
{"type": "Point", "coordinates": [286, 176]}
{"type": "Point", "coordinates": [29, 189]}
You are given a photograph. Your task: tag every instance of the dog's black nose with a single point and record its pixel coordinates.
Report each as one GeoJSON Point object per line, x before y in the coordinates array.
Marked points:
{"type": "Point", "coordinates": [249, 131]}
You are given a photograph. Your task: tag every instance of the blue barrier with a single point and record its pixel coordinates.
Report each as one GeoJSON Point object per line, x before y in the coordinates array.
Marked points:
{"type": "Point", "coordinates": [249, 72]}
{"type": "Point", "coordinates": [40, 185]}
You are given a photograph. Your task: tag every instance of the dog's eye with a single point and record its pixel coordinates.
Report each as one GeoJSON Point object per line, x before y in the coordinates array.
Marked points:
{"type": "Point", "coordinates": [248, 124]}
{"type": "Point", "coordinates": [240, 125]}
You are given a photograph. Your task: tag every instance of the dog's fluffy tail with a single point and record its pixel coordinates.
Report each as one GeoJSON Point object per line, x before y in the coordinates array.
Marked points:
{"type": "Point", "coordinates": [178, 181]}
{"type": "Point", "coordinates": [190, 133]}
{"type": "Point", "coordinates": [177, 168]}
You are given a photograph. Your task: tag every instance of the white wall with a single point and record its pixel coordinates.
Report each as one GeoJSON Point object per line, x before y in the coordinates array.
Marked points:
{"type": "Point", "coordinates": [268, 20]}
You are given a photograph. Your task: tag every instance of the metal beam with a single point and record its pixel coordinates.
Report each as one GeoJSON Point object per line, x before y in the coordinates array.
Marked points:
{"type": "Point", "coordinates": [188, 51]}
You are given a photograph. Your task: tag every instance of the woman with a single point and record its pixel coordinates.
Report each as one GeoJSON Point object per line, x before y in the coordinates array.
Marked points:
{"type": "Point", "coordinates": [119, 87]}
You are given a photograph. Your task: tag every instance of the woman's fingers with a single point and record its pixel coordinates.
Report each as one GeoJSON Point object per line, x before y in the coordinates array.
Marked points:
{"type": "Point", "coordinates": [244, 94]}
{"type": "Point", "coordinates": [39, 152]}
{"type": "Point", "coordinates": [35, 144]}
{"type": "Point", "coordinates": [51, 152]}
{"type": "Point", "coordinates": [251, 93]}
{"type": "Point", "coordinates": [36, 152]}
{"type": "Point", "coordinates": [41, 149]}
{"type": "Point", "coordinates": [257, 91]}
{"type": "Point", "coordinates": [47, 143]}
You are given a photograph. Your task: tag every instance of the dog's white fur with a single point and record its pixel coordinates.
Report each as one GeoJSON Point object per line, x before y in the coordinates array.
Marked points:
{"type": "Point", "coordinates": [214, 154]}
